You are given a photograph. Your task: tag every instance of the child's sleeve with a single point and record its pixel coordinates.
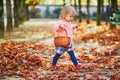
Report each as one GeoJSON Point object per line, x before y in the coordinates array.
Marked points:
{"type": "Point", "coordinates": [59, 26]}
{"type": "Point", "coordinates": [56, 27]}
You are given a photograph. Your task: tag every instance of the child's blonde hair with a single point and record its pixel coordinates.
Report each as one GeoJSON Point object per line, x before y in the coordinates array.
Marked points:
{"type": "Point", "coordinates": [66, 10]}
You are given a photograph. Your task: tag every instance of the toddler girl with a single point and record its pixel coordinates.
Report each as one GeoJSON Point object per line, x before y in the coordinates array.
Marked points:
{"type": "Point", "coordinates": [64, 23]}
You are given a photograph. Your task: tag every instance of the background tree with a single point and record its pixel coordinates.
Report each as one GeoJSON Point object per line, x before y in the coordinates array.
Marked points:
{"type": "Point", "coordinates": [109, 2]}
{"type": "Point", "coordinates": [88, 12]}
{"type": "Point", "coordinates": [99, 5]}
{"type": "Point", "coordinates": [64, 2]}
{"type": "Point", "coordinates": [9, 16]}
{"type": "Point", "coordinates": [80, 12]}
{"type": "Point", "coordinates": [16, 17]}
{"type": "Point", "coordinates": [75, 4]}
{"type": "Point", "coordinates": [21, 9]}
{"type": "Point", "coordinates": [26, 11]}
{"type": "Point", "coordinates": [1, 19]}
{"type": "Point", "coordinates": [113, 6]}
{"type": "Point", "coordinates": [70, 2]}
{"type": "Point", "coordinates": [102, 3]}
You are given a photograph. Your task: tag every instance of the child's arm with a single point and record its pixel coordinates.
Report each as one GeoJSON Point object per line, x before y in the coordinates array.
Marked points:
{"type": "Point", "coordinates": [59, 27]}
{"type": "Point", "coordinates": [56, 27]}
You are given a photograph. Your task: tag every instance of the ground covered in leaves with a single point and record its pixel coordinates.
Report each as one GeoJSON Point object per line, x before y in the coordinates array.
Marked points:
{"type": "Point", "coordinates": [31, 60]}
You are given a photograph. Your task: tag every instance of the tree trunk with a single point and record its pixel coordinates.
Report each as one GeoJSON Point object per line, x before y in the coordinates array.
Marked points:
{"type": "Point", "coordinates": [26, 12]}
{"type": "Point", "coordinates": [70, 2]}
{"type": "Point", "coordinates": [9, 16]}
{"type": "Point", "coordinates": [113, 6]}
{"type": "Point", "coordinates": [102, 3]}
{"type": "Point", "coordinates": [75, 5]}
{"type": "Point", "coordinates": [21, 9]}
{"type": "Point", "coordinates": [99, 12]}
{"type": "Point", "coordinates": [88, 12]}
{"type": "Point", "coordinates": [64, 2]}
{"type": "Point", "coordinates": [80, 12]}
{"type": "Point", "coordinates": [1, 20]}
{"type": "Point", "coordinates": [113, 9]}
{"type": "Point", "coordinates": [16, 17]}
{"type": "Point", "coordinates": [109, 2]}
{"type": "Point", "coordinates": [116, 3]}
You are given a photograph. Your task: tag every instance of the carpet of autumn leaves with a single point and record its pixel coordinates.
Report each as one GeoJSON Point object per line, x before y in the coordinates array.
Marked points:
{"type": "Point", "coordinates": [31, 60]}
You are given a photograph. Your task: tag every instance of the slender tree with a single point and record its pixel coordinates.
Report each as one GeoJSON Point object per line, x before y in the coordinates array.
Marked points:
{"type": "Point", "coordinates": [88, 12]}
{"type": "Point", "coordinates": [109, 2]}
{"type": "Point", "coordinates": [99, 12]}
{"type": "Point", "coordinates": [9, 15]}
{"type": "Point", "coordinates": [113, 6]}
{"type": "Point", "coordinates": [64, 2]}
{"type": "Point", "coordinates": [21, 9]}
{"type": "Point", "coordinates": [25, 10]}
{"type": "Point", "coordinates": [75, 4]}
{"type": "Point", "coordinates": [102, 3]}
{"type": "Point", "coordinates": [80, 12]}
{"type": "Point", "coordinates": [1, 19]}
{"type": "Point", "coordinates": [70, 2]}
{"type": "Point", "coordinates": [16, 17]}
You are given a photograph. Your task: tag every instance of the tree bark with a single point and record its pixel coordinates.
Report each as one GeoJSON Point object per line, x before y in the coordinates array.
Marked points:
{"type": "Point", "coordinates": [9, 16]}
{"type": "Point", "coordinates": [99, 12]}
{"type": "Point", "coordinates": [102, 3]}
{"type": "Point", "coordinates": [113, 6]}
{"type": "Point", "coordinates": [70, 2]}
{"type": "Point", "coordinates": [88, 12]}
{"type": "Point", "coordinates": [75, 5]}
{"type": "Point", "coordinates": [16, 17]}
{"type": "Point", "coordinates": [64, 3]}
{"type": "Point", "coordinates": [21, 9]}
{"type": "Point", "coordinates": [26, 11]}
{"type": "Point", "coordinates": [80, 12]}
{"type": "Point", "coordinates": [1, 20]}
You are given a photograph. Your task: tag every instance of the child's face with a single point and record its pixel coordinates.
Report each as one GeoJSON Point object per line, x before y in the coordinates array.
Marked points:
{"type": "Point", "coordinates": [69, 17]}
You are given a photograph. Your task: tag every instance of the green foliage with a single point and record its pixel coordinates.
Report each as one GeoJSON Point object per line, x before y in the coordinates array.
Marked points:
{"type": "Point", "coordinates": [32, 2]}
{"type": "Point", "coordinates": [53, 2]}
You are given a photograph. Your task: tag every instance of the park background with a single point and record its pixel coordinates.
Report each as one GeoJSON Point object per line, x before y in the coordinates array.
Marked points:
{"type": "Point", "coordinates": [26, 40]}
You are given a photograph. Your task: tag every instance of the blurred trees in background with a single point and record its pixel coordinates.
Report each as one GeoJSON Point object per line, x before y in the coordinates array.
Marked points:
{"type": "Point", "coordinates": [80, 11]}
{"type": "Point", "coordinates": [99, 6]}
{"type": "Point", "coordinates": [14, 19]}
{"type": "Point", "coordinates": [1, 19]}
{"type": "Point", "coordinates": [19, 13]}
{"type": "Point", "coordinates": [21, 9]}
{"type": "Point", "coordinates": [9, 15]}
{"type": "Point", "coordinates": [88, 12]}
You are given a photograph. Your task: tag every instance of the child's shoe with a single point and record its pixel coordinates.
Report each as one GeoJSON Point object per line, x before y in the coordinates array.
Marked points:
{"type": "Point", "coordinates": [79, 67]}
{"type": "Point", "coordinates": [53, 67]}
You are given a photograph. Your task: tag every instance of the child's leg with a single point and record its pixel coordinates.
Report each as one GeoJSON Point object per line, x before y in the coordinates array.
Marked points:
{"type": "Point", "coordinates": [73, 58]}
{"type": "Point", "coordinates": [55, 59]}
